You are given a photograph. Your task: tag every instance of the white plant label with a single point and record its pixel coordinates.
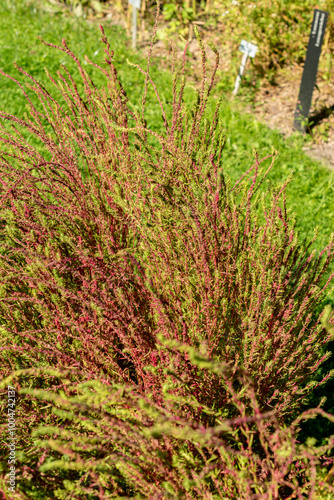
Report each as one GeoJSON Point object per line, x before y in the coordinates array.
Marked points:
{"type": "Point", "coordinates": [135, 3]}
{"type": "Point", "coordinates": [248, 48]}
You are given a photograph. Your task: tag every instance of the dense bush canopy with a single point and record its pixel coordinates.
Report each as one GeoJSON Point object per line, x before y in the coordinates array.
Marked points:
{"type": "Point", "coordinates": [157, 319]}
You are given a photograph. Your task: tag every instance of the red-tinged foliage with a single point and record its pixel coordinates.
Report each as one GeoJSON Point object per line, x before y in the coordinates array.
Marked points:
{"type": "Point", "coordinates": [120, 260]}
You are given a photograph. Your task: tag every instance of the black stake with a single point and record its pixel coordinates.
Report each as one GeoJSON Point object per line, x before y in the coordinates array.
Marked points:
{"type": "Point", "coordinates": [310, 68]}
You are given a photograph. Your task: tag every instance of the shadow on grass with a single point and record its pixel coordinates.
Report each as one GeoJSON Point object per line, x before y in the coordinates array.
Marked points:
{"type": "Point", "coordinates": [318, 117]}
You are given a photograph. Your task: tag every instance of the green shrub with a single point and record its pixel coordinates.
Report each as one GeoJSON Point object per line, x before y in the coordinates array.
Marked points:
{"type": "Point", "coordinates": [143, 296]}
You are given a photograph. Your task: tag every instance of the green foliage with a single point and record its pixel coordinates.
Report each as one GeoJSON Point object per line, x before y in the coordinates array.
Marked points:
{"type": "Point", "coordinates": [109, 441]}
{"type": "Point", "coordinates": [279, 28]}
{"type": "Point", "coordinates": [188, 423]}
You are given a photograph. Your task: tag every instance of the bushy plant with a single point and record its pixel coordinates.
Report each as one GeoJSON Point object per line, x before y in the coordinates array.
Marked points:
{"type": "Point", "coordinates": [125, 252]}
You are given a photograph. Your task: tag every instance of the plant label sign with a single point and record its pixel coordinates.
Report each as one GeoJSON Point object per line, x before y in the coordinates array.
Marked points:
{"type": "Point", "coordinates": [135, 3]}
{"type": "Point", "coordinates": [249, 50]}
{"type": "Point", "coordinates": [310, 68]}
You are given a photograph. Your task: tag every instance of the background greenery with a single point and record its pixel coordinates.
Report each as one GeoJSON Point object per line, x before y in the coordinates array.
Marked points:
{"type": "Point", "coordinates": [280, 27]}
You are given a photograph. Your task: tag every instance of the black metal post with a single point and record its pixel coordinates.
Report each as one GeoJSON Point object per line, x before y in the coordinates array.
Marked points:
{"type": "Point", "coordinates": [310, 68]}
